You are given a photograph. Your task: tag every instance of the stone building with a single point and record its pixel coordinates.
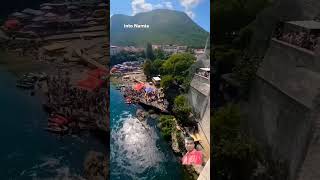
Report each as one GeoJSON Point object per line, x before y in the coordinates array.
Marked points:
{"type": "Point", "coordinates": [282, 111]}
{"type": "Point", "coordinates": [199, 98]}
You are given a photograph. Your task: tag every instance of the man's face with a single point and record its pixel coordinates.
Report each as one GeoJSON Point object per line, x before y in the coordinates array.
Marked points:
{"type": "Point", "coordinates": [189, 145]}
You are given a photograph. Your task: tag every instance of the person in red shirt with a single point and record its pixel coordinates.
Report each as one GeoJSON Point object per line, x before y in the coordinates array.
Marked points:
{"type": "Point", "coordinates": [192, 157]}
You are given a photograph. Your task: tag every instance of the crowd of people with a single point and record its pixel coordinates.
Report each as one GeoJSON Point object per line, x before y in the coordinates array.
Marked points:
{"type": "Point", "coordinates": [149, 97]}
{"type": "Point", "coordinates": [302, 39]}
{"type": "Point", "coordinates": [204, 73]}
{"type": "Point", "coordinates": [153, 96]}
{"type": "Point", "coordinates": [130, 92]}
{"type": "Point", "coordinates": [69, 101]}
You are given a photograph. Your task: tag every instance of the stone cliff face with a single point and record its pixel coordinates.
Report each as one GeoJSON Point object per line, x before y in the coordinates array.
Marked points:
{"type": "Point", "coordinates": [281, 98]}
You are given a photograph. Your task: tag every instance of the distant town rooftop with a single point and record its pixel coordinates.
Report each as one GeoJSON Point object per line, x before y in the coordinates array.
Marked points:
{"type": "Point", "coordinates": [306, 24]}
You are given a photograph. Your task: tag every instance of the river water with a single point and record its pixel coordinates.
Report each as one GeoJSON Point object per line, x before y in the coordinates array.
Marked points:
{"type": "Point", "coordinates": [138, 152]}
{"type": "Point", "coordinates": [27, 151]}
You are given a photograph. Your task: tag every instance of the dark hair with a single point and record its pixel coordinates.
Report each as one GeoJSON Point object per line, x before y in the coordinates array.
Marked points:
{"type": "Point", "coordinates": [189, 139]}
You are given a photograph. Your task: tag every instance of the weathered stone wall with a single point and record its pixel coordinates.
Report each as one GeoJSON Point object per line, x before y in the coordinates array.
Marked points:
{"type": "Point", "coordinates": [199, 94]}
{"type": "Point", "coordinates": [205, 173]}
{"type": "Point", "coordinates": [288, 81]}
{"type": "Point", "coordinates": [292, 70]}
{"type": "Point", "coordinates": [199, 99]}
{"type": "Point", "coordinates": [279, 122]}
{"type": "Point", "coordinates": [310, 167]}
{"type": "Point", "coordinates": [205, 121]}
{"type": "Point", "coordinates": [281, 100]}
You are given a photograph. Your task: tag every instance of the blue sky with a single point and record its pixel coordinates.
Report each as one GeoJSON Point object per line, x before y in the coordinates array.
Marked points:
{"type": "Point", "coordinates": [198, 10]}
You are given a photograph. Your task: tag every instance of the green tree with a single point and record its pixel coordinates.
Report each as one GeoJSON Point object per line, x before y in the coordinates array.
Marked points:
{"type": "Point", "coordinates": [157, 67]}
{"type": "Point", "coordinates": [180, 79]}
{"type": "Point", "coordinates": [227, 118]}
{"type": "Point", "coordinates": [167, 125]}
{"type": "Point", "coordinates": [234, 153]}
{"type": "Point", "coordinates": [147, 68]}
{"type": "Point", "coordinates": [232, 15]}
{"type": "Point", "coordinates": [245, 72]}
{"type": "Point", "coordinates": [166, 81]}
{"type": "Point", "coordinates": [149, 52]}
{"type": "Point", "coordinates": [160, 54]}
{"type": "Point", "coordinates": [177, 64]}
{"type": "Point", "coordinates": [182, 109]}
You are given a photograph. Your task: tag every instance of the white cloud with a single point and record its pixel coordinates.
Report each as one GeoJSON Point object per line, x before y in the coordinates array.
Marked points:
{"type": "Point", "coordinates": [168, 5]}
{"type": "Point", "coordinates": [142, 6]}
{"type": "Point", "coordinates": [163, 5]}
{"type": "Point", "coordinates": [190, 14]}
{"type": "Point", "coordinates": [158, 6]}
{"type": "Point", "coordinates": [189, 5]}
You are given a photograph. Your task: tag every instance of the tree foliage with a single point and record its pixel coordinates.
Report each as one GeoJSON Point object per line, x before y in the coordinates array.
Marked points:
{"type": "Point", "coordinates": [182, 109]}
{"type": "Point", "coordinates": [160, 54]}
{"type": "Point", "coordinates": [156, 67]}
{"type": "Point", "coordinates": [227, 118]}
{"type": "Point", "coordinates": [245, 72]}
{"type": "Point", "coordinates": [225, 59]}
{"type": "Point", "coordinates": [177, 64]}
{"type": "Point", "coordinates": [147, 67]}
{"type": "Point", "coordinates": [149, 52]}
{"type": "Point", "coordinates": [167, 125]}
{"type": "Point", "coordinates": [235, 155]}
{"type": "Point", "coordinates": [232, 41]}
{"type": "Point", "coordinates": [166, 81]}
{"type": "Point", "coordinates": [174, 69]}
{"type": "Point", "coordinates": [232, 15]}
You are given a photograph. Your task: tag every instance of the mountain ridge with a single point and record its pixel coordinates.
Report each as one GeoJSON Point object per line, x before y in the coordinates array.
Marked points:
{"type": "Point", "coordinates": [165, 27]}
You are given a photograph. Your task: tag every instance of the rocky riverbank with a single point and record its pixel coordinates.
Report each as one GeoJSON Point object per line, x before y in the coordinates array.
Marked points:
{"type": "Point", "coordinates": [176, 142]}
